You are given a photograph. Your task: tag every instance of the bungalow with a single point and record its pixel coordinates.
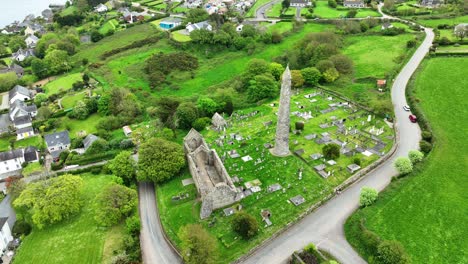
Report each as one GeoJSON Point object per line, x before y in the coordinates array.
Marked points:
{"type": "Point", "coordinates": [89, 140]}
{"type": "Point", "coordinates": [57, 142]}
{"type": "Point", "coordinates": [431, 3]}
{"type": "Point", "coordinates": [31, 41]}
{"type": "Point", "coordinates": [22, 54]}
{"type": "Point", "coordinates": [101, 8]}
{"type": "Point", "coordinates": [10, 162]}
{"type": "Point", "coordinates": [19, 108]}
{"type": "Point", "coordinates": [300, 3]}
{"type": "Point", "coordinates": [19, 93]}
{"type": "Point", "coordinates": [127, 130]}
{"type": "Point", "coordinates": [170, 23]}
{"type": "Point", "coordinates": [14, 68]}
{"type": "Point", "coordinates": [354, 3]}
{"type": "Point", "coordinates": [5, 234]}
{"type": "Point", "coordinates": [200, 25]}
{"type": "Point", "coordinates": [31, 29]}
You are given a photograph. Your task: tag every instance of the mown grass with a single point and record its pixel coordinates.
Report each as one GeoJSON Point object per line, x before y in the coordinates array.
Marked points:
{"type": "Point", "coordinates": [32, 168]}
{"type": "Point", "coordinates": [69, 101]}
{"type": "Point", "coordinates": [74, 126]}
{"type": "Point", "coordinates": [426, 211]}
{"type": "Point", "coordinates": [449, 21]}
{"type": "Point", "coordinates": [322, 10]}
{"type": "Point", "coordinates": [62, 83]}
{"type": "Point", "coordinates": [77, 240]}
{"type": "Point", "coordinates": [109, 25]}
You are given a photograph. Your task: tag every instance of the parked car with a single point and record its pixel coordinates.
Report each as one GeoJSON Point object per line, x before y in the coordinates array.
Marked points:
{"type": "Point", "coordinates": [406, 108]}
{"type": "Point", "coordinates": [413, 118]}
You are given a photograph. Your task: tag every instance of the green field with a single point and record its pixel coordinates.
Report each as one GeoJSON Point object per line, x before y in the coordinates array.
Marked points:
{"type": "Point", "coordinates": [180, 37]}
{"type": "Point", "coordinates": [454, 49]}
{"type": "Point", "coordinates": [109, 25]}
{"type": "Point", "coordinates": [449, 21]}
{"type": "Point", "coordinates": [322, 10]}
{"type": "Point", "coordinates": [374, 56]}
{"type": "Point", "coordinates": [69, 101]}
{"type": "Point", "coordinates": [75, 126]}
{"type": "Point", "coordinates": [426, 211]}
{"type": "Point", "coordinates": [77, 240]}
{"type": "Point", "coordinates": [62, 83]}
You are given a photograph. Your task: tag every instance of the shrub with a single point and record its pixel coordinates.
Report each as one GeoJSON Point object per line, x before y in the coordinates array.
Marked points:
{"type": "Point", "coordinates": [245, 225]}
{"type": "Point", "coordinates": [427, 135]}
{"type": "Point", "coordinates": [357, 161]}
{"type": "Point", "coordinates": [411, 43]}
{"type": "Point", "coordinates": [20, 228]}
{"type": "Point", "coordinates": [392, 252]}
{"type": "Point", "coordinates": [425, 146]}
{"type": "Point", "coordinates": [368, 196]}
{"type": "Point", "coordinates": [201, 123]}
{"type": "Point", "coordinates": [415, 156]}
{"type": "Point", "coordinates": [331, 151]}
{"type": "Point", "coordinates": [403, 165]}
{"type": "Point", "coordinates": [299, 125]}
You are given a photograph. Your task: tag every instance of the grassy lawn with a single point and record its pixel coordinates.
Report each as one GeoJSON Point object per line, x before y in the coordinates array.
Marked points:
{"type": "Point", "coordinates": [454, 49]}
{"type": "Point", "coordinates": [270, 170]}
{"type": "Point", "coordinates": [62, 83]}
{"type": "Point", "coordinates": [77, 240]}
{"type": "Point", "coordinates": [35, 141]}
{"type": "Point", "coordinates": [322, 10]}
{"type": "Point", "coordinates": [449, 21]}
{"type": "Point", "coordinates": [374, 56]}
{"type": "Point", "coordinates": [180, 37]}
{"type": "Point", "coordinates": [427, 210]}
{"type": "Point", "coordinates": [69, 101]}
{"type": "Point", "coordinates": [69, 10]}
{"type": "Point", "coordinates": [109, 25]}
{"type": "Point", "coordinates": [280, 27]}
{"type": "Point", "coordinates": [74, 126]}
{"type": "Point", "coordinates": [32, 168]}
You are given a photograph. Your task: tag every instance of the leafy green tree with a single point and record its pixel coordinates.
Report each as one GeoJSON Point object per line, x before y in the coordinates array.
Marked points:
{"type": "Point", "coordinates": [96, 36]}
{"type": "Point", "coordinates": [324, 65]}
{"type": "Point", "coordinates": [51, 201]}
{"type": "Point", "coordinates": [113, 203]}
{"type": "Point", "coordinates": [331, 151]}
{"type": "Point", "coordinates": [14, 187]}
{"type": "Point", "coordinates": [425, 146]}
{"type": "Point", "coordinates": [202, 36]}
{"type": "Point", "coordinates": [331, 75]}
{"type": "Point", "coordinates": [80, 111]}
{"type": "Point", "coordinates": [98, 146]}
{"type": "Point", "coordinates": [39, 68]}
{"type": "Point", "coordinates": [57, 61]}
{"type": "Point", "coordinates": [332, 3]}
{"type": "Point", "coordinates": [297, 80]}
{"type": "Point", "coordinates": [276, 70]}
{"type": "Point", "coordinates": [392, 252]}
{"type": "Point", "coordinates": [342, 63]}
{"type": "Point", "coordinates": [44, 113]}
{"type": "Point", "coordinates": [262, 87]}
{"type": "Point", "coordinates": [159, 160]}
{"type": "Point", "coordinates": [123, 166]}
{"type": "Point", "coordinates": [198, 247]}
{"type": "Point", "coordinates": [248, 31]}
{"type": "Point", "coordinates": [415, 156]}
{"type": "Point", "coordinates": [311, 76]}
{"type": "Point", "coordinates": [351, 13]}
{"type": "Point", "coordinates": [201, 123]}
{"type": "Point", "coordinates": [16, 43]}
{"type": "Point", "coordinates": [257, 67]}
{"type": "Point", "coordinates": [3, 50]}
{"type": "Point", "coordinates": [207, 106]}
{"type": "Point", "coordinates": [403, 165]}
{"type": "Point", "coordinates": [7, 81]}
{"type": "Point", "coordinates": [186, 114]}
{"type": "Point", "coordinates": [285, 4]}
{"type": "Point", "coordinates": [245, 225]}
{"type": "Point", "coordinates": [368, 196]}
{"type": "Point", "coordinates": [196, 15]}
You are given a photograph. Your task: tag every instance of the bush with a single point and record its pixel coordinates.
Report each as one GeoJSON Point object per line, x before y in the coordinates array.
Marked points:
{"type": "Point", "coordinates": [331, 151]}
{"type": "Point", "coordinates": [245, 225]}
{"type": "Point", "coordinates": [299, 125]}
{"type": "Point", "coordinates": [20, 228]}
{"type": "Point", "coordinates": [201, 123]}
{"type": "Point", "coordinates": [427, 135]}
{"type": "Point", "coordinates": [368, 196]}
{"type": "Point", "coordinates": [415, 156]}
{"type": "Point", "coordinates": [392, 252]}
{"type": "Point", "coordinates": [403, 165]}
{"type": "Point", "coordinates": [357, 161]}
{"type": "Point", "coordinates": [411, 43]}
{"type": "Point", "coordinates": [425, 146]}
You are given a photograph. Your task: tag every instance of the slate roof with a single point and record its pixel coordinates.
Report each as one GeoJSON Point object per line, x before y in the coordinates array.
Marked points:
{"type": "Point", "coordinates": [89, 140]}
{"type": "Point", "coordinates": [15, 68]}
{"type": "Point", "coordinates": [12, 154]}
{"type": "Point", "coordinates": [30, 154]}
{"type": "Point", "coordinates": [24, 130]}
{"type": "Point", "coordinates": [25, 52]}
{"type": "Point", "coordinates": [18, 89]}
{"type": "Point", "coordinates": [59, 138]}
{"type": "Point", "coordinates": [199, 25]}
{"type": "Point", "coordinates": [22, 120]}
{"type": "Point", "coordinates": [3, 220]}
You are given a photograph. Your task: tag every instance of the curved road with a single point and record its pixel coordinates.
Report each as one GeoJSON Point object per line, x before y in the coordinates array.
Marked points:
{"type": "Point", "coordinates": [324, 227]}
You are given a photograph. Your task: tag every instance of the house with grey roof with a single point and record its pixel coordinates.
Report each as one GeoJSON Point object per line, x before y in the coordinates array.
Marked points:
{"type": "Point", "coordinates": [19, 108]}
{"type": "Point", "coordinates": [31, 41]}
{"type": "Point", "coordinates": [19, 93]}
{"type": "Point", "coordinates": [31, 29]}
{"type": "Point", "coordinates": [22, 54]}
{"type": "Point", "coordinates": [431, 3]}
{"type": "Point", "coordinates": [354, 3]}
{"type": "Point", "coordinates": [5, 234]}
{"type": "Point", "coordinates": [10, 162]}
{"type": "Point", "coordinates": [57, 143]}
{"type": "Point", "coordinates": [197, 26]}
{"type": "Point", "coordinates": [22, 121]}
{"type": "Point", "coordinates": [24, 132]}
{"type": "Point", "coordinates": [13, 68]}
{"type": "Point", "coordinates": [89, 140]}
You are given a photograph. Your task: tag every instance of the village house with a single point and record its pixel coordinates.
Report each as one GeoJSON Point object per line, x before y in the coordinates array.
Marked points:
{"type": "Point", "coordinates": [5, 234]}
{"type": "Point", "coordinates": [48, 15]}
{"type": "Point", "coordinates": [127, 131]}
{"type": "Point", "coordinates": [431, 3]}
{"type": "Point", "coordinates": [89, 140]}
{"type": "Point", "coordinates": [31, 29]}
{"type": "Point", "coordinates": [19, 93]}
{"type": "Point", "coordinates": [31, 41]}
{"type": "Point", "coordinates": [354, 3]}
{"type": "Point", "coordinates": [386, 25]}
{"type": "Point", "coordinates": [10, 162]}
{"type": "Point", "coordinates": [25, 132]}
{"type": "Point", "coordinates": [101, 8]}
{"type": "Point", "coordinates": [22, 54]}
{"type": "Point", "coordinates": [13, 68]}
{"type": "Point", "coordinates": [57, 143]}
{"type": "Point", "coordinates": [19, 108]}
{"type": "Point", "coordinates": [170, 23]}
{"type": "Point", "coordinates": [200, 25]}
{"type": "Point", "coordinates": [131, 17]}
{"type": "Point", "coordinates": [300, 3]}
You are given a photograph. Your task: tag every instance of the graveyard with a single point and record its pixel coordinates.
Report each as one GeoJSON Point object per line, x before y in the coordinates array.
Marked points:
{"type": "Point", "coordinates": [276, 190]}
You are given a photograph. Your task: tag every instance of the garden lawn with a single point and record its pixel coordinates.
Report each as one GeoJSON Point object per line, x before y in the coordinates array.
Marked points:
{"type": "Point", "coordinates": [31, 168]}
{"type": "Point", "coordinates": [374, 56]}
{"type": "Point", "coordinates": [77, 240]}
{"type": "Point", "coordinates": [180, 37]}
{"type": "Point", "coordinates": [454, 49]}
{"type": "Point", "coordinates": [109, 25]}
{"type": "Point", "coordinates": [62, 83]}
{"type": "Point", "coordinates": [69, 101]}
{"type": "Point", "coordinates": [449, 21]}
{"type": "Point", "coordinates": [35, 141]}
{"type": "Point", "coordinates": [74, 126]}
{"type": "Point", "coordinates": [427, 210]}
{"type": "Point", "coordinates": [322, 10]}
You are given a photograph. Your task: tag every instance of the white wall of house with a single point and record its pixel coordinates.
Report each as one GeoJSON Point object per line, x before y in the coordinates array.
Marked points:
{"type": "Point", "coordinates": [57, 147]}
{"type": "Point", "coordinates": [5, 237]}
{"type": "Point", "coordinates": [11, 165]}
{"type": "Point", "coordinates": [24, 135]}
{"type": "Point", "coordinates": [24, 125]}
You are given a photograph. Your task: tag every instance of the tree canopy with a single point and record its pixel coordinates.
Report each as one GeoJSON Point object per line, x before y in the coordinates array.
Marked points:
{"type": "Point", "coordinates": [198, 247]}
{"type": "Point", "coordinates": [123, 166]}
{"type": "Point", "coordinates": [114, 202]}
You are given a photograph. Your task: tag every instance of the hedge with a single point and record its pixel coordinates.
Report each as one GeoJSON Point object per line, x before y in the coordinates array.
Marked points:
{"type": "Point", "coordinates": [133, 45]}
{"type": "Point", "coordinates": [87, 159]}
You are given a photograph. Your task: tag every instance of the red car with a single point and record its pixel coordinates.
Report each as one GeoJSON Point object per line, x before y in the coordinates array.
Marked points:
{"type": "Point", "coordinates": [413, 118]}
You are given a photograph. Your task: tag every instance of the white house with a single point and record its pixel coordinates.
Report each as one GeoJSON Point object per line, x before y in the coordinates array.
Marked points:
{"type": "Point", "coordinates": [22, 54]}
{"type": "Point", "coordinates": [200, 25]}
{"type": "Point", "coordinates": [19, 108]}
{"type": "Point", "coordinates": [5, 234]}
{"type": "Point", "coordinates": [25, 132]}
{"type": "Point", "coordinates": [10, 162]}
{"type": "Point", "coordinates": [19, 93]}
{"type": "Point", "coordinates": [31, 41]}
{"type": "Point", "coordinates": [101, 8]}
{"type": "Point", "coordinates": [57, 142]}
{"type": "Point", "coordinates": [354, 3]}
{"type": "Point", "coordinates": [300, 3]}
{"type": "Point", "coordinates": [33, 28]}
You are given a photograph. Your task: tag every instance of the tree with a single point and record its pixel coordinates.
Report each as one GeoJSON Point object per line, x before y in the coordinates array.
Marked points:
{"type": "Point", "coordinates": [351, 13]}
{"type": "Point", "coordinates": [159, 160]}
{"type": "Point", "coordinates": [331, 151]}
{"type": "Point", "coordinates": [44, 113]}
{"type": "Point", "coordinates": [16, 43]}
{"type": "Point", "coordinates": [311, 76]}
{"type": "Point", "coordinates": [201, 123]}
{"type": "Point", "coordinates": [392, 252]}
{"type": "Point", "coordinates": [52, 200]}
{"type": "Point", "coordinates": [257, 67]}
{"type": "Point", "coordinates": [98, 146]}
{"type": "Point", "coordinates": [262, 87]}
{"type": "Point", "coordinates": [39, 68]}
{"type": "Point", "coordinates": [411, 43]}
{"type": "Point", "coordinates": [285, 4]}
{"type": "Point", "coordinates": [7, 81]}
{"type": "Point", "coordinates": [276, 70]}
{"type": "Point", "coordinates": [245, 225]}
{"type": "Point", "coordinates": [403, 165]}
{"type": "Point", "coordinates": [461, 31]}
{"type": "Point", "coordinates": [114, 202]}
{"type": "Point", "coordinates": [331, 75]}
{"type": "Point", "coordinates": [297, 80]}
{"type": "Point", "coordinates": [14, 187]}
{"type": "Point", "coordinates": [80, 111]}
{"type": "Point", "coordinates": [342, 63]}
{"type": "Point", "coordinates": [368, 196]}
{"type": "Point", "coordinates": [196, 15]}
{"type": "Point", "coordinates": [415, 156]}
{"type": "Point", "coordinates": [324, 65]}
{"type": "Point", "coordinates": [57, 61]}
{"type": "Point", "coordinates": [332, 3]}
{"type": "Point", "coordinates": [96, 36]}
{"type": "Point", "coordinates": [186, 114]}
{"type": "Point", "coordinates": [198, 247]}
{"type": "Point", "coordinates": [425, 146]}
{"type": "Point", "coordinates": [123, 166]}
{"type": "Point", "coordinates": [207, 106]}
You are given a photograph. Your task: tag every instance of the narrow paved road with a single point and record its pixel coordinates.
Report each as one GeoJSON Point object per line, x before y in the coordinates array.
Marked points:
{"type": "Point", "coordinates": [260, 14]}
{"type": "Point", "coordinates": [324, 227]}
{"type": "Point", "coordinates": [154, 248]}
